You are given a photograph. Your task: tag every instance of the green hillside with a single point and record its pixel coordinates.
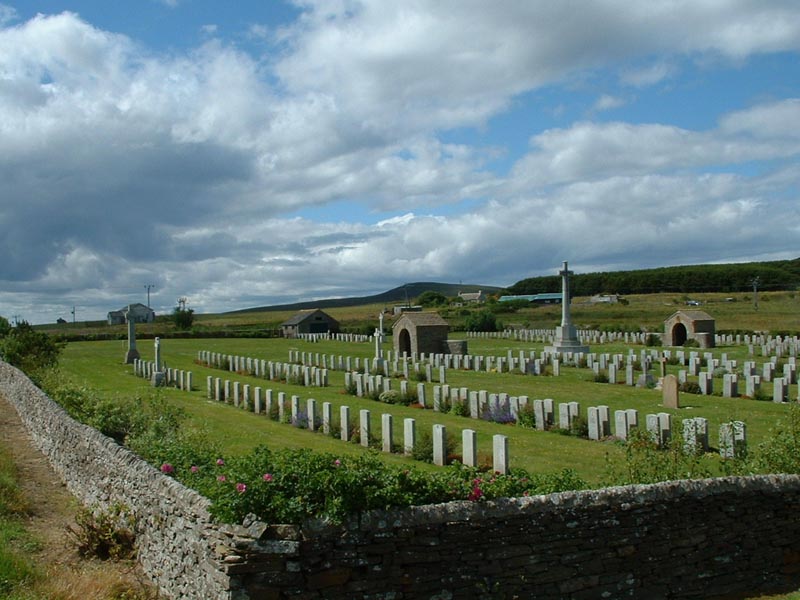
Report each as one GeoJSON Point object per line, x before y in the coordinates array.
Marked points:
{"type": "Point", "coordinates": [398, 295]}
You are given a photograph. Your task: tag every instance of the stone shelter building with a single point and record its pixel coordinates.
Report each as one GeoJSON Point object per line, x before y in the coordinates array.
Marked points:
{"type": "Point", "coordinates": [416, 332]}
{"type": "Point", "coordinates": [472, 297]}
{"type": "Point", "coordinates": [309, 321]}
{"type": "Point", "coordinates": [139, 313]}
{"type": "Point", "coordinates": [689, 325]}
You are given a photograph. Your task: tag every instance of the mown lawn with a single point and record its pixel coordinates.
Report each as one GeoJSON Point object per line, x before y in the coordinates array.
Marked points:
{"type": "Point", "coordinates": [99, 365]}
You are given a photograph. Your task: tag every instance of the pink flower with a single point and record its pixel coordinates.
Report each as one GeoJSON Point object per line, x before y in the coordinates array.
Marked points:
{"type": "Point", "coordinates": [194, 469]}
{"type": "Point", "coordinates": [267, 477]}
{"type": "Point", "coordinates": [220, 462]}
{"type": "Point", "coordinates": [167, 468]}
{"type": "Point", "coordinates": [337, 463]}
{"type": "Point", "coordinates": [476, 494]}
{"type": "Point", "coordinates": [221, 478]}
{"type": "Point", "coordinates": [241, 488]}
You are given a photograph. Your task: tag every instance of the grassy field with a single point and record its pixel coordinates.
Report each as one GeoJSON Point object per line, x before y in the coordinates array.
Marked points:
{"type": "Point", "coordinates": [99, 365]}
{"type": "Point", "coordinates": [777, 312]}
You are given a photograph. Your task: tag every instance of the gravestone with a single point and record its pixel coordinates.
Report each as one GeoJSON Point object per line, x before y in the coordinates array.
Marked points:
{"type": "Point", "coordinates": [157, 378]}
{"type": "Point", "coordinates": [669, 392]}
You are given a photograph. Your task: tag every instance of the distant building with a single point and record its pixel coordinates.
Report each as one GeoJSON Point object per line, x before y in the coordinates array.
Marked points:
{"type": "Point", "coordinates": [689, 325]}
{"type": "Point", "coordinates": [309, 321]}
{"type": "Point", "coordinates": [417, 332]}
{"type": "Point", "coordinates": [604, 299]}
{"type": "Point", "coordinates": [472, 297]}
{"type": "Point", "coordinates": [402, 308]}
{"type": "Point", "coordinates": [549, 298]}
{"type": "Point", "coordinates": [139, 313]}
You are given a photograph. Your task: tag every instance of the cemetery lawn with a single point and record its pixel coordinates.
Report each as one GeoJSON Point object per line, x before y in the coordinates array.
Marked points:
{"type": "Point", "coordinates": [99, 366]}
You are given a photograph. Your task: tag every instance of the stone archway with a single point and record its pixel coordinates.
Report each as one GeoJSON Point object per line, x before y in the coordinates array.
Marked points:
{"type": "Point", "coordinates": [404, 342]}
{"type": "Point", "coordinates": [679, 334]}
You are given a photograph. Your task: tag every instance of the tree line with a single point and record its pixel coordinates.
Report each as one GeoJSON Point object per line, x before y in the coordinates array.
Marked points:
{"type": "Point", "coordinates": [769, 276]}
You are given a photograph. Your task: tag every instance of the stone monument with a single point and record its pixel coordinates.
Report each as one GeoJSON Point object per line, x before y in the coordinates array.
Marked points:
{"type": "Point", "coordinates": [132, 353]}
{"type": "Point", "coordinates": [379, 338]}
{"type": "Point", "coordinates": [566, 335]}
{"type": "Point", "coordinates": [158, 370]}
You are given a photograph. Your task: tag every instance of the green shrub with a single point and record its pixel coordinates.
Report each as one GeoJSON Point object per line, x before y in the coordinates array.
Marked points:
{"type": "Point", "coordinates": [689, 387]}
{"type": "Point", "coordinates": [780, 453]}
{"type": "Point", "coordinates": [104, 534]}
{"type": "Point", "coordinates": [460, 409]}
{"type": "Point", "coordinates": [526, 417]}
{"type": "Point", "coordinates": [288, 486]}
{"type": "Point", "coordinates": [646, 462]}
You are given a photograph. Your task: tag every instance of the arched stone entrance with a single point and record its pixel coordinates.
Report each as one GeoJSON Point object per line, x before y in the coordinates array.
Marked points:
{"type": "Point", "coordinates": [686, 325]}
{"type": "Point", "coordinates": [679, 334]}
{"type": "Point", "coordinates": [404, 342]}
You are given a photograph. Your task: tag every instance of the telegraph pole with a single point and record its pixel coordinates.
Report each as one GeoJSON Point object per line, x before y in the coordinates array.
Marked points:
{"type": "Point", "coordinates": [148, 287]}
{"type": "Point", "coordinates": [755, 282]}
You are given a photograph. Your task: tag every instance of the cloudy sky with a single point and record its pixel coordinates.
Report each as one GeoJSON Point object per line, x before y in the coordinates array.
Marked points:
{"type": "Point", "coordinates": [251, 153]}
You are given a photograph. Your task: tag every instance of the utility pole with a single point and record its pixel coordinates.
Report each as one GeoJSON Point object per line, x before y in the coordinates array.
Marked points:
{"type": "Point", "coordinates": [73, 314]}
{"type": "Point", "coordinates": [148, 287]}
{"type": "Point", "coordinates": [755, 281]}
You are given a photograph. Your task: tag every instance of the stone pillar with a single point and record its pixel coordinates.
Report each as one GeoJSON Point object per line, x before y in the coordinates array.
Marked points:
{"type": "Point", "coordinates": [132, 353]}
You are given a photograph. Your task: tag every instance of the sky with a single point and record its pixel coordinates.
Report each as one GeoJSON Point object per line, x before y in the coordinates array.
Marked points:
{"type": "Point", "coordinates": [251, 153]}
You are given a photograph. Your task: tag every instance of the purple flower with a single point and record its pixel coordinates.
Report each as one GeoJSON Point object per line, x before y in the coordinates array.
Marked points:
{"type": "Point", "coordinates": [241, 488]}
{"type": "Point", "coordinates": [337, 463]}
{"type": "Point", "coordinates": [194, 469]}
{"type": "Point", "coordinates": [220, 462]}
{"type": "Point", "coordinates": [167, 468]}
{"type": "Point", "coordinates": [267, 477]}
{"type": "Point", "coordinates": [221, 478]}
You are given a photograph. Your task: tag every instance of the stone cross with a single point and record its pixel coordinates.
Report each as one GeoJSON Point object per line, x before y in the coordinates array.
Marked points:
{"type": "Point", "coordinates": [566, 339]}
{"type": "Point", "coordinates": [158, 370]}
{"type": "Point", "coordinates": [132, 353]}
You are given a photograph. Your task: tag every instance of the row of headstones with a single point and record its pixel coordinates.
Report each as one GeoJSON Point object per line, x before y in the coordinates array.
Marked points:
{"type": "Point", "coordinates": [267, 369]}
{"type": "Point", "coordinates": [177, 377]}
{"type": "Point", "coordinates": [503, 407]}
{"type": "Point", "coordinates": [730, 385]}
{"type": "Point", "coordinates": [769, 344]}
{"type": "Point", "coordinates": [339, 337]}
{"type": "Point", "coordinates": [262, 401]}
{"type": "Point", "coordinates": [732, 436]}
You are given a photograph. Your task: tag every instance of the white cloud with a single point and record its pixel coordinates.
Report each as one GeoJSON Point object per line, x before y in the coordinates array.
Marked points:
{"type": "Point", "coordinates": [122, 167]}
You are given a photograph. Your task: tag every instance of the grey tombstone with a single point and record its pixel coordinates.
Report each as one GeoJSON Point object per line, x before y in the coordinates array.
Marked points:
{"type": "Point", "coordinates": [409, 436]}
{"type": "Point", "coordinates": [752, 385]}
{"type": "Point", "coordinates": [386, 432]}
{"type": "Point", "coordinates": [732, 439]}
{"type": "Point", "coordinates": [469, 447]}
{"type": "Point", "coordinates": [439, 445]}
{"type": "Point", "coordinates": [327, 417]}
{"type": "Point", "coordinates": [311, 409]}
{"type": "Point", "coordinates": [730, 388]}
{"type": "Point", "coordinates": [621, 424]}
{"type": "Point", "coordinates": [344, 422]}
{"type": "Point", "coordinates": [779, 391]}
{"type": "Point", "coordinates": [365, 425]}
{"type": "Point", "coordinates": [706, 383]}
{"type": "Point", "coordinates": [257, 402]}
{"type": "Point", "coordinates": [669, 392]}
{"type": "Point", "coordinates": [500, 454]}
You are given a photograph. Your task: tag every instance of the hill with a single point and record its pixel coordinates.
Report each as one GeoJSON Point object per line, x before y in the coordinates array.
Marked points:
{"type": "Point", "coordinates": [735, 277]}
{"type": "Point", "coordinates": [399, 295]}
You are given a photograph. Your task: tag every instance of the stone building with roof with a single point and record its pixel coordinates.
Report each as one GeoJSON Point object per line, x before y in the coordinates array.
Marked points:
{"type": "Point", "coordinates": [689, 325]}
{"type": "Point", "coordinates": [138, 311]}
{"type": "Point", "coordinates": [309, 321]}
{"type": "Point", "coordinates": [418, 332]}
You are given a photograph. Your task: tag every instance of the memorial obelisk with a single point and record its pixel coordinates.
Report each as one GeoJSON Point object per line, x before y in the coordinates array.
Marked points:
{"type": "Point", "coordinates": [566, 336]}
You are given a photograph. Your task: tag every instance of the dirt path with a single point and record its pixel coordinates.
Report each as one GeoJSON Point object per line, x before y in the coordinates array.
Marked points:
{"type": "Point", "coordinates": [52, 511]}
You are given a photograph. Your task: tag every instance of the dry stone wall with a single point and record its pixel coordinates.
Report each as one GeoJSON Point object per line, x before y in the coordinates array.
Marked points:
{"type": "Point", "coordinates": [719, 538]}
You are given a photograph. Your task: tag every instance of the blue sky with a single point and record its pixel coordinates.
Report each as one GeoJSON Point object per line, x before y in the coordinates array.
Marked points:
{"type": "Point", "coordinates": [251, 153]}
